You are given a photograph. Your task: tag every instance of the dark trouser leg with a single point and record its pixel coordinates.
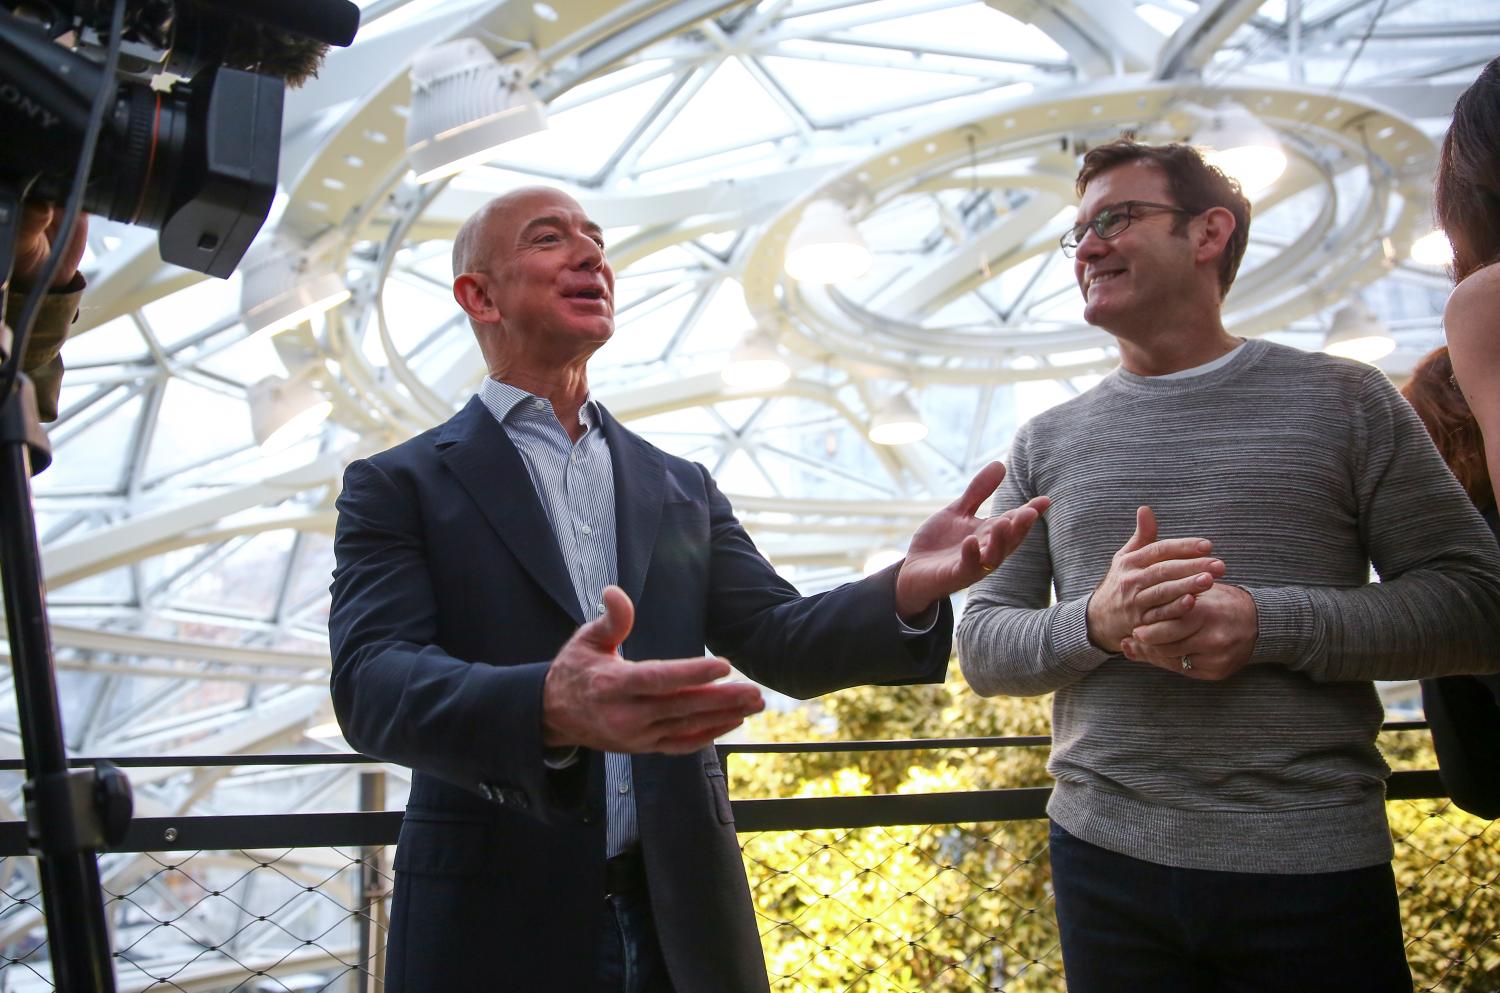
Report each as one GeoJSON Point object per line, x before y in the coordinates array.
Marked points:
{"type": "Point", "coordinates": [1119, 927]}
{"type": "Point", "coordinates": [1133, 925]}
{"type": "Point", "coordinates": [1327, 932]}
{"type": "Point", "coordinates": [630, 958]}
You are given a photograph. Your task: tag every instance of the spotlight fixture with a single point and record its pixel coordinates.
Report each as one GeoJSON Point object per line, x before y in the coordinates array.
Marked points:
{"type": "Point", "coordinates": [281, 288]}
{"type": "Point", "coordinates": [1356, 333]}
{"type": "Point", "coordinates": [283, 411]}
{"type": "Point", "coordinates": [1432, 249]}
{"type": "Point", "coordinates": [825, 246]}
{"type": "Point", "coordinates": [1243, 146]}
{"type": "Point", "coordinates": [756, 363]}
{"type": "Point", "coordinates": [895, 422]}
{"type": "Point", "coordinates": [464, 106]}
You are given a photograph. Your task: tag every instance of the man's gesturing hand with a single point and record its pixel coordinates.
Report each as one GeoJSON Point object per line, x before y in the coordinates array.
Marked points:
{"type": "Point", "coordinates": [595, 699]}
{"type": "Point", "coordinates": [953, 548]}
{"type": "Point", "coordinates": [1146, 574]}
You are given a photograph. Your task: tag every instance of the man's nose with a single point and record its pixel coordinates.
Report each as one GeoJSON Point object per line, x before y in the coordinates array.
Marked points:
{"type": "Point", "coordinates": [589, 254]}
{"type": "Point", "coordinates": [1091, 246]}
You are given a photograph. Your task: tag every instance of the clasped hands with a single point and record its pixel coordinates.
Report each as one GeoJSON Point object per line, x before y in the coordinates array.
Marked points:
{"type": "Point", "coordinates": [592, 698]}
{"type": "Point", "coordinates": [1161, 602]}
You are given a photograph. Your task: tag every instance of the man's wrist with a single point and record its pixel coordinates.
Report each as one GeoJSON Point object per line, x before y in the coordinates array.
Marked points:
{"type": "Point", "coordinates": [1092, 626]}
{"type": "Point", "coordinates": [923, 623]}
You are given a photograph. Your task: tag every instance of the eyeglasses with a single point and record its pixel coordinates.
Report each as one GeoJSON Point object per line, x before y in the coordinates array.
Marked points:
{"type": "Point", "coordinates": [1112, 220]}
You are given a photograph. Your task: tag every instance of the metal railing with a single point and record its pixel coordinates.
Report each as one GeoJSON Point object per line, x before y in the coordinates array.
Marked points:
{"type": "Point", "coordinates": [938, 890]}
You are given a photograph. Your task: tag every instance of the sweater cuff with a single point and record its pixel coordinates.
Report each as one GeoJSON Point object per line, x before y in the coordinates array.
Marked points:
{"type": "Point", "coordinates": [1068, 638]}
{"type": "Point", "coordinates": [1284, 626]}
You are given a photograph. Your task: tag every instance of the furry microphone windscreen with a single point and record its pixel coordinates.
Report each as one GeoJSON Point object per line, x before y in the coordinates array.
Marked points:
{"type": "Point", "coordinates": [255, 47]}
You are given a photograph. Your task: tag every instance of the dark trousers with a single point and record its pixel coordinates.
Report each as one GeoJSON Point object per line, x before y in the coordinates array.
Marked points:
{"type": "Point", "coordinates": [630, 959]}
{"type": "Point", "coordinates": [1129, 926]}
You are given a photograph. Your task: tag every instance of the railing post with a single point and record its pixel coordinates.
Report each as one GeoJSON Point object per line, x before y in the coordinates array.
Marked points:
{"type": "Point", "coordinates": [372, 890]}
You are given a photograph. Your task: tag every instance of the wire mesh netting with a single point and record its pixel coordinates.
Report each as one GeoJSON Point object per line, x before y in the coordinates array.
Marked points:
{"type": "Point", "coordinates": [927, 907]}
{"type": "Point", "coordinates": [936, 907]}
{"type": "Point", "coordinates": [969, 907]}
{"type": "Point", "coordinates": [286, 921]}
{"type": "Point", "coordinates": [1448, 872]}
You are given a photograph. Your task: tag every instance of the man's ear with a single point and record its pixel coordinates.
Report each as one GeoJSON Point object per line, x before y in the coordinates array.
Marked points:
{"type": "Point", "coordinates": [472, 291]}
{"type": "Point", "coordinates": [1213, 228]}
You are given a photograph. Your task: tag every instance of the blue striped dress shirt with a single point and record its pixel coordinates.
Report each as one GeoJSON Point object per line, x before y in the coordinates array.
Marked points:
{"type": "Point", "coordinates": [576, 484]}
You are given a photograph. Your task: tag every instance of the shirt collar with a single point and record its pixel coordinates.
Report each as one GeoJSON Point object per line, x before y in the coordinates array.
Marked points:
{"type": "Point", "coordinates": [503, 398]}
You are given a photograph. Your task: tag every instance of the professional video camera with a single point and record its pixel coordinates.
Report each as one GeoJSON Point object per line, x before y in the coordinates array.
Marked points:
{"type": "Point", "coordinates": [164, 113]}
{"type": "Point", "coordinates": [191, 143]}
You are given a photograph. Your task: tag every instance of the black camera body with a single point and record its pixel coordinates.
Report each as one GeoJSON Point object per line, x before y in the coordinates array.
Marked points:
{"type": "Point", "coordinates": [196, 162]}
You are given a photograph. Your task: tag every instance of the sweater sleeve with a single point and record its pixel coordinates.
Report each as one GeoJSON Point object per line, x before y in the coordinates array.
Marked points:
{"type": "Point", "coordinates": [1010, 640]}
{"type": "Point", "coordinates": [1436, 610]}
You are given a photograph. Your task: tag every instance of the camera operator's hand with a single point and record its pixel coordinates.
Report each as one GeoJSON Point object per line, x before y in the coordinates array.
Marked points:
{"type": "Point", "coordinates": [59, 305]}
{"type": "Point", "coordinates": [39, 224]}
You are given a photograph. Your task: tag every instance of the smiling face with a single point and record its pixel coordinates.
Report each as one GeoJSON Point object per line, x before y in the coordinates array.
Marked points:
{"type": "Point", "coordinates": [539, 275]}
{"type": "Point", "coordinates": [1133, 276]}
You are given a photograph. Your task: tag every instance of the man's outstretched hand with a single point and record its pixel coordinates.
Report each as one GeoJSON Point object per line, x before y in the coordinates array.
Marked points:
{"type": "Point", "coordinates": [594, 699]}
{"type": "Point", "coordinates": [953, 548]}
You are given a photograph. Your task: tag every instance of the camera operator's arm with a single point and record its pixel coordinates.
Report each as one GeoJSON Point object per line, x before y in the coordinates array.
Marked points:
{"type": "Point", "coordinates": [43, 361]}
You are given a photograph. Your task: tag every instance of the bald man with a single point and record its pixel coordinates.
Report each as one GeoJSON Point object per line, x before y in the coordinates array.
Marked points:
{"type": "Point", "coordinates": [521, 603]}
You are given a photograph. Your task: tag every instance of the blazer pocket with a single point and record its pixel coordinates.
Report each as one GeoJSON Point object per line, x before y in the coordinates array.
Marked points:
{"type": "Point", "coordinates": [446, 846]}
{"type": "Point", "coordinates": [719, 787]}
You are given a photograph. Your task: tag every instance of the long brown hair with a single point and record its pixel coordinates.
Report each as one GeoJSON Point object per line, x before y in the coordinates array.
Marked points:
{"type": "Point", "coordinates": [1466, 197]}
{"type": "Point", "coordinates": [1446, 415]}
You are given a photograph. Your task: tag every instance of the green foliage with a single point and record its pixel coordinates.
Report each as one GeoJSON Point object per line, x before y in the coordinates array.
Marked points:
{"type": "Point", "coordinates": [924, 907]}
{"type": "Point", "coordinates": [969, 907]}
{"type": "Point", "coordinates": [1448, 873]}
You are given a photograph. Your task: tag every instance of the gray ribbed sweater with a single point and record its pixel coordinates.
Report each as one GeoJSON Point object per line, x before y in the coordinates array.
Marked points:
{"type": "Point", "coordinates": [1304, 470]}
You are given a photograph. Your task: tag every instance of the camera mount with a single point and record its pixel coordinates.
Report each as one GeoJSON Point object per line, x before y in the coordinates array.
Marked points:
{"type": "Point", "coordinates": [70, 814]}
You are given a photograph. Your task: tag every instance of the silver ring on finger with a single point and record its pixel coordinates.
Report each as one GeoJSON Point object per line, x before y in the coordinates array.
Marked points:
{"type": "Point", "coordinates": [1187, 662]}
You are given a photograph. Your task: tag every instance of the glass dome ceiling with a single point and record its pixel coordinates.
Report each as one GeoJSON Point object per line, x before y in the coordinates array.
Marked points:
{"type": "Point", "coordinates": [188, 565]}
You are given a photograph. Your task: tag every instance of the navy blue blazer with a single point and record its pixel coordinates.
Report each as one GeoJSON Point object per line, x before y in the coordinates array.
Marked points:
{"type": "Point", "coordinates": [450, 596]}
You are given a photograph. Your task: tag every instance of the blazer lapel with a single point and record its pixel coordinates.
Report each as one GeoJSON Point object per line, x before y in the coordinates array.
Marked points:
{"type": "Point", "coordinates": [640, 483]}
{"type": "Point", "coordinates": [476, 449]}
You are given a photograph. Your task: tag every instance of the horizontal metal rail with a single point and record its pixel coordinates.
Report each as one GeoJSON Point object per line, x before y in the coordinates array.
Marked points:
{"type": "Point", "coordinates": [723, 748]}
{"type": "Point", "coordinates": [354, 829]}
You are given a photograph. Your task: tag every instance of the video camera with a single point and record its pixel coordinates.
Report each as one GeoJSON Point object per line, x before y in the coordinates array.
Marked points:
{"type": "Point", "coordinates": [191, 143]}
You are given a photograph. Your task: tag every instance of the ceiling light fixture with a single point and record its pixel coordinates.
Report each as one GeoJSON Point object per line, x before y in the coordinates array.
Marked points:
{"type": "Point", "coordinates": [826, 247]}
{"type": "Point", "coordinates": [1356, 333]}
{"type": "Point", "coordinates": [464, 106]}
{"type": "Point", "coordinates": [895, 422]}
{"type": "Point", "coordinates": [1243, 146]}
{"type": "Point", "coordinates": [283, 411]}
{"type": "Point", "coordinates": [756, 364]}
{"type": "Point", "coordinates": [1432, 249]}
{"type": "Point", "coordinates": [281, 287]}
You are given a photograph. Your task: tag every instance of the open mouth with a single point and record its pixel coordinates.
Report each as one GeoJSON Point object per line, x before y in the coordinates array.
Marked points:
{"type": "Point", "coordinates": [1102, 277]}
{"type": "Point", "coordinates": [590, 299]}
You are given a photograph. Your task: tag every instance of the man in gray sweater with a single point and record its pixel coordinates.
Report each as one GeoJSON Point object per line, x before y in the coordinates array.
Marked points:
{"type": "Point", "coordinates": [1219, 816]}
